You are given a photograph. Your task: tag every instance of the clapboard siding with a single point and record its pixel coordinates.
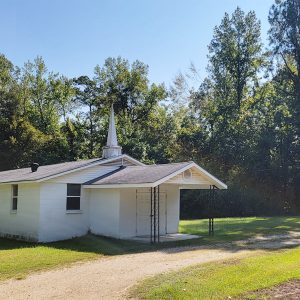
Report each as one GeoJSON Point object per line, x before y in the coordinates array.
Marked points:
{"type": "Point", "coordinates": [196, 178]}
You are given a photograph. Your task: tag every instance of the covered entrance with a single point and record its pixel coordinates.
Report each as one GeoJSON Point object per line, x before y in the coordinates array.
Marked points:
{"type": "Point", "coordinates": [145, 200]}
{"type": "Point", "coordinates": [151, 213]}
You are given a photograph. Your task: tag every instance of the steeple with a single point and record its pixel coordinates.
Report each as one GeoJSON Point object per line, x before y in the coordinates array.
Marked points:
{"type": "Point", "coordinates": [112, 149]}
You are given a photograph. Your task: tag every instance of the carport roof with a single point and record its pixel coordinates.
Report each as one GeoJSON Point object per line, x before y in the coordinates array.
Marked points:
{"type": "Point", "coordinates": [138, 174]}
{"type": "Point", "coordinates": [148, 175]}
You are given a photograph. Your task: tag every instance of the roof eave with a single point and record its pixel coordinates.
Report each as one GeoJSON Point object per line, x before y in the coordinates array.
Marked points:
{"type": "Point", "coordinates": [98, 162]}
{"type": "Point", "coordinates": [214, 181]}
{"type": "Point", "coordinates": [218, 183]}
{"type": "Point", "coordinates": [18, 182]}
{"type": "Point", "coordinates": [118, 185]}
{"type": "Point", "coordinates": [146, 184]}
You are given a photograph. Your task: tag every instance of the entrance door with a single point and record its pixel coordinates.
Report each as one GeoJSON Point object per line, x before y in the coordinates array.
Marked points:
{"type": "Point", "coordinates": [162, 212]}
{"type": "Point", "coordinates": [143, 209]}
{"type": "Point", "coordinates": [143, 202]}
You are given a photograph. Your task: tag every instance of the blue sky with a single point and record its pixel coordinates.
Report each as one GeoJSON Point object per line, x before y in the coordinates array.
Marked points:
{"type": "Point", "coordinates": [74, 36]}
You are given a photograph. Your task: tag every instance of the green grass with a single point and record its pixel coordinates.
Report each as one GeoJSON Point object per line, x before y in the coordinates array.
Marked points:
{"type": "Point", "coordinates": [18, 259]}
{"type": "Point", "coordinates": [223, 279]}
{"type": "Point", "coordinates": [232, 229]}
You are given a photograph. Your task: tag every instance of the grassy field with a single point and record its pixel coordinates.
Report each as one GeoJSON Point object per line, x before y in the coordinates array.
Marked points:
{"type": "Point", "coordinates": [223, 279]}
{"type": "Point", "coordinates": [17, 259]}
{"type": "Point", "coordinates": [231, 229]}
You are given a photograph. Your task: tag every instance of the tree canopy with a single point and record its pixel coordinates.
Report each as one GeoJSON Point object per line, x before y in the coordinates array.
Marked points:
{"type": "Point", "coordinates": [241, 122]}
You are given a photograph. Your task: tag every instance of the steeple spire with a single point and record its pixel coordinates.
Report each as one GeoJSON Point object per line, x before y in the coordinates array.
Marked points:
{"type": "Point", "coordinates": [112, 149]}
{"type": "Point", "coordinates": [112, 132]}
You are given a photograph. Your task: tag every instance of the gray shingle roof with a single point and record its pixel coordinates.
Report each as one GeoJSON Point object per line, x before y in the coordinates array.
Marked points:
{"type": "Point", "coordinates": [43, 171]}
{"type": "Point", "coordinates": [138, 174]}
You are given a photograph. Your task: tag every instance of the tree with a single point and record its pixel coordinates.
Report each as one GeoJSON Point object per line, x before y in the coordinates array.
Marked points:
{"type": "Point", "coordinates": [284, 34]}
{"type": "Point", "coordinates": [43, 108]}
{"type": "Point", "coordinates": [221, 102]}
{"type": "Point", "coordinates": [18, 138]}
{"type": "Point", "coordinates": [128, 88]}
{"type": "Point", "coordinates": [135, 100]}
{"type": "Point", "coordinates": [236, 55]}
{"type": "Point", "coordinates": [87, 94]}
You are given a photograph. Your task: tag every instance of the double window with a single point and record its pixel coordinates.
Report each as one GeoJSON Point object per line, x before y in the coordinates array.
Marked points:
{"type": "Point", "coordinates": [14, 197]}
{"type": "Point", "coordinates": [73, 196]}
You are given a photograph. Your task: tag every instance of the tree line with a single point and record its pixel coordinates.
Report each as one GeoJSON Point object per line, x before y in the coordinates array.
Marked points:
{"type": "Point", "coordinates": [241, 122]}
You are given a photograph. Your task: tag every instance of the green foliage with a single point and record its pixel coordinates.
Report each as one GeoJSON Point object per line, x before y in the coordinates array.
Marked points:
{"type": "Point", "coordinates": [284, 37]}
{"type": "Point", "coordinates": [235, 57]}
{"type": "Point", "coordinates": [241, 123]}
{"type": "Point", "coordinates": [246, 127]}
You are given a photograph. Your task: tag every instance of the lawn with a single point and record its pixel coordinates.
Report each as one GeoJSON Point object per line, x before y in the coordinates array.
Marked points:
{"type": "Point", "coordinates": [232, 229]}
{"type": "Point", "coordinates": [225, 279]}
{"type": "Point", "coordinates": [18, 259]}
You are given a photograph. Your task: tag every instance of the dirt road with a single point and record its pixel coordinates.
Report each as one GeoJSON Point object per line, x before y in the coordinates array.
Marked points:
{"type": "Point", "coordinates": [110, 278]}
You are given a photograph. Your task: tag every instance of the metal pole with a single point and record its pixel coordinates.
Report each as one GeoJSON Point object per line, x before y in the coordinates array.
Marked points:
{"type": "Point", "coordinates": [154, 213]}
{"type": "Point", "coordinates": [151, 216]}
{"type": "Point", "coordinates": [158, 213]}
{"type": "Point", "coordinates": [213, 205]}
{"type": "Point", "coordinates": [209, 212]}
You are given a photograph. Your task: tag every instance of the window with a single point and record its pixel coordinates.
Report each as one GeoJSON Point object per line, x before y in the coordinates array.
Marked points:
{"type": "Point", "coordinates": [14, 197]}
{"type": "Point", "coordinates": [73, 196]}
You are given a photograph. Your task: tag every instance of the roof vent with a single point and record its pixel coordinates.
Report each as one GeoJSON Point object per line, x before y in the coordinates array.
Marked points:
{"type": "Point", "coordinates": [34, 167]}
{"type": "Point", "coordinates": [187, 174]}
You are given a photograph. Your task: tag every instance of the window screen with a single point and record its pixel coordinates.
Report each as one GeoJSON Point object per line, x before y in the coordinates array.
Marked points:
{"type": "Point", "coordinates": [73, 196]}
{"type": "Point", "coordinates": [15, 192]}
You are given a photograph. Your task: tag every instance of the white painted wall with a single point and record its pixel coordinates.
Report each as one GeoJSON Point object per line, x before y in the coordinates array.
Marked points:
{"type": "Point", "coordinates": [42, 212]}
{"type": "Point", "coordinates": [104, 212]}
{"type": "Point", "coordinates": [24, 224]}
{"type": "Point", "coordinates": [56, 223]}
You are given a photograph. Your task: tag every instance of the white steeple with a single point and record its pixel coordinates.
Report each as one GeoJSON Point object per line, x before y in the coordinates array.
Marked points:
{"type": "Point", "coordinates": [112, 149]}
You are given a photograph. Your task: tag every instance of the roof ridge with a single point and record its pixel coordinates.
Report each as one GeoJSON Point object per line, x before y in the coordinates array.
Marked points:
{"type": "Point", "coordinates": [167, 164]}
{"type": "Point", "coordinates": [91, 160]}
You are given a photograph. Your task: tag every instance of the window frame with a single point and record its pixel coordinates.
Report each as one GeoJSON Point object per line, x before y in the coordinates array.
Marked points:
{"type": "Point", "coordinates": [76, 210]}
{"type": "Point", "coordinates": [14, 198]}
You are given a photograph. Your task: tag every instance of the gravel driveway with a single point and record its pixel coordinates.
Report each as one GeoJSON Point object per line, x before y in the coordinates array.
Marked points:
{"type": "Point", "coordinates": [110, 278]}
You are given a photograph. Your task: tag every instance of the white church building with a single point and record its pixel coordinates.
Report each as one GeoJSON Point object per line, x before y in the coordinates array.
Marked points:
{"type": "Point", "coordinates": [115, 196]}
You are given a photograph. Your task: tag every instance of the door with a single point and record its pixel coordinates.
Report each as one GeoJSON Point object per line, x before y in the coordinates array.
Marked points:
{"type": "Point", "coordinates": [162, 212]}
{"type": "Point", "coordinates": [143, 212]}
{"type": "Point", "coordinates": [143, 202]}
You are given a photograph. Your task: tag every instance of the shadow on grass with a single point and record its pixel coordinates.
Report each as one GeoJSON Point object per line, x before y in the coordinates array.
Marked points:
{"type": "Point", "coordinates": [89, 243]}
{"type": "Point", "coordinates": [227, 233]}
